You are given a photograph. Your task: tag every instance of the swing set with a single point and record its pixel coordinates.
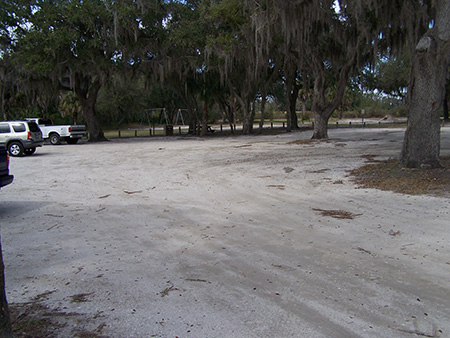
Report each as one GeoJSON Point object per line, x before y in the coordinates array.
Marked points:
{"type": "Point", "coordinates": [151, 117]}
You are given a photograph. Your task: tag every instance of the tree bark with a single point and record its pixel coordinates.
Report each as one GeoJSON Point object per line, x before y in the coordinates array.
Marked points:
{"type": "Point", "coordinates": [204, 119]}
{"type": "Point", "coordinates": [244, 101]}
{"type": "Point", "coordinates": [87, 90]}
{"type": "Point", "coordinates": [246, 112]}
{"type": "Point", "coordinates": [293, 104]}
{"type": "Point", "coordinates": [5, 322]}
{"type": "Point", "coordinates": [446, 116]}
{"type": "Point", "coordinates": [227, 113]}
{"type": "Point", "coordinates": [421, 145]}
{"type": "Point", "coordinates": [246, 117]}
{"type": "Point", "coordinates": [321, 125]}
{"type": "Point", "coordinates": [292, 90]}
{"type": "Point", "coordinates": [263, 110]}
{"type": "Point", "coordinates": [426, 93]}
{"type": "Point", "coordinates": [321, 106]}
{"type": "Point", "coordinates": [3, 103]}
{"type": "Point", "coordinates": [252, 116]}
{"type": "Point", "coordinates": [304, 114]}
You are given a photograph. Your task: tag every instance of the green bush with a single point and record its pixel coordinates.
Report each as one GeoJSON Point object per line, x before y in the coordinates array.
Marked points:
{"type": "Point", "coordinates": [305, 117]}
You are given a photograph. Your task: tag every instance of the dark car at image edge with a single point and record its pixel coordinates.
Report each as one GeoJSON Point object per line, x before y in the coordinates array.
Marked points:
{"type": "Point", "coordinates": [5, 177]}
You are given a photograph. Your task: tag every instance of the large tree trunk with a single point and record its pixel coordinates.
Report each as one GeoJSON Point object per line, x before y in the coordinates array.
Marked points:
{"type": "Point", "coordinates": [322, 109]}
{"type": "Point", "coordinates": [244, 101]}
{"type": "Point", "coordinates": [252, 116]}
{"type": "Point", "coordinates": [191, 105]}
{"type": "Point", "coordinates": [227, 113]}
{"type": "Point", "coordinates": [87, 91]}
{"type": "Point", "coordinates": [246, 118]}
{"type": "Point", "coordinates": [422, 138]}
{"type": "Point", "coordinates": [246, 113]}
{"type": "Point", "coordinates": [291, 92]}
{"type": "Point", "coordinates": [421, 145]}
{"type": "Point", "coordinates": [5, 323]}
{"type": "Point", "coordinates": [95, 132]}
{"type": "Point", "coordinates": [321, 106]}
{"type": "Point", "coordinates": [304, 114]}
{"type": "Point", "coordinates": [446, 116]}
{"type": "Point", "coordinates": [321, 125]}
{"type": "Point", "coordinates": [3, 103]}
{"type": "Point", "coordinates": [263, 110]}
{"type": "Point", "coordinates": [292, 106]}
{"type": "Point", "coordinates": [204, 119]}
{"type": "Point", "coordinates": [264, 88]}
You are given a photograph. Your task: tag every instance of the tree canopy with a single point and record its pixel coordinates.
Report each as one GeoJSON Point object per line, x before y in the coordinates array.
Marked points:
{"type": "Point", "coordinates": [204, 52]}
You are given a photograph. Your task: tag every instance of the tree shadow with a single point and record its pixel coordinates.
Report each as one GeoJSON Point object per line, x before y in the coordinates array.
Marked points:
{"type": "Point", "coordinates": [14, 208]}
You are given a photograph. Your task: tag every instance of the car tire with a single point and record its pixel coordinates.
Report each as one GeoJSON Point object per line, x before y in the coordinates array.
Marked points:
{"type": "Point", "coordinates": [55, 139]}
{"type": "Point", "coordinates": [15, 149]}
{"type": "Point", "coordinates": [29, 151]}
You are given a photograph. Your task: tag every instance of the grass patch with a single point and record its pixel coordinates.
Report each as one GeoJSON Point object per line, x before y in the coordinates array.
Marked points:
{"type": "Point", "coordinates": [127, 133]}
{"type": "Point", "coordinates": [391, 176]}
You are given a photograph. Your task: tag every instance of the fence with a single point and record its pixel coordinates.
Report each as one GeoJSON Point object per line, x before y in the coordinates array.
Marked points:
{"type": "Point", "coordinates": [222, 128]}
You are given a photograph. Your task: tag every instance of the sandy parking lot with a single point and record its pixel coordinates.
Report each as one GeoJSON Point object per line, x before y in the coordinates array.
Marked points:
{"type": "Point", "coordinates": [226, 237]}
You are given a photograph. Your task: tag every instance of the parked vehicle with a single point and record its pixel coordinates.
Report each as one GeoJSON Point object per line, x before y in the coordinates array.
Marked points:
{"type": "Point", "coordinates": [56, 133]}
{"type": "Point", "coordinates": [5, 177]}
{"type": "Point", "coordinates": [20, 137]}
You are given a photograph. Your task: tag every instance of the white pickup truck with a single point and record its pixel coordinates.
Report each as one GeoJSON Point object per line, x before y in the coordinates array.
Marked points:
{"type": "Point", "coordinates": [70, 133]}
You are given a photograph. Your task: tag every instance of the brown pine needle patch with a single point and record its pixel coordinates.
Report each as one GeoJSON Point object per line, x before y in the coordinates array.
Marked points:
{"type": "Point", "coordinates": [391, 176]}
{"type": "Point", "coordinates": [308, 141]}
{"type": "Point", "coordinates": [341, 214]}
{"type": "Point", "coordinates": [277, 186]}
{"type": "Point", "coordinates": [80, 298]}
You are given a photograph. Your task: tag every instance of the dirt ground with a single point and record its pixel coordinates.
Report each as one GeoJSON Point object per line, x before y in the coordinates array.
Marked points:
{"type": "Point", "coordinates": [251, 236]}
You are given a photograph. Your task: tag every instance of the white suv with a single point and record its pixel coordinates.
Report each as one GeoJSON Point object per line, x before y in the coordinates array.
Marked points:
{"type": "Point", "coordinates": [20, 137]}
